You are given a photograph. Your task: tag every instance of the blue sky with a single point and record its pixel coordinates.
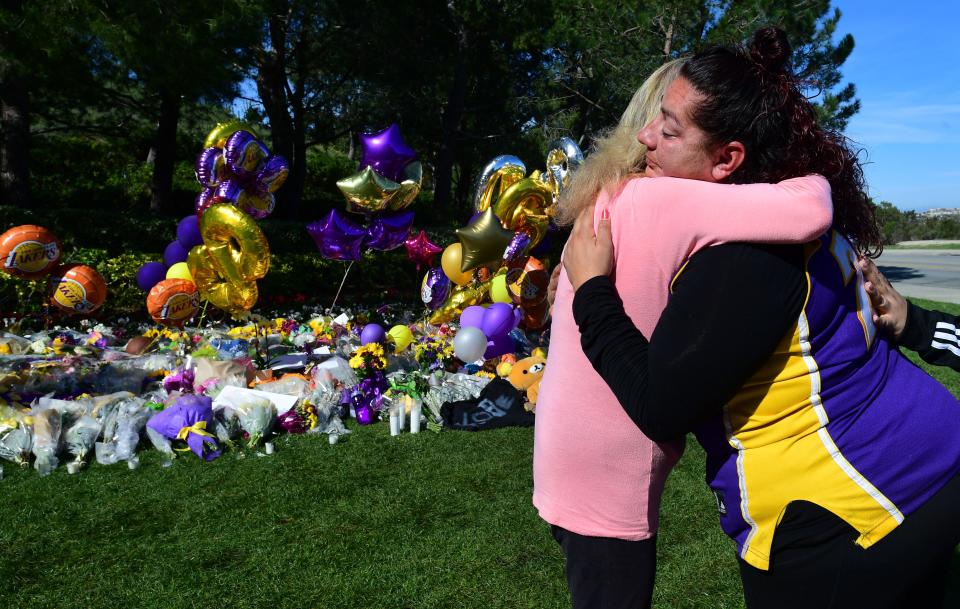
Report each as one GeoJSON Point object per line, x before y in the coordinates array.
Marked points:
{"type": "Point", "coordinates": [906, 67]}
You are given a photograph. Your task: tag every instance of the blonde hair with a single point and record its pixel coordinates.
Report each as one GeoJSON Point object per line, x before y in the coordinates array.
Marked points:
{"type": "Point", "coordinates": [617, 154]}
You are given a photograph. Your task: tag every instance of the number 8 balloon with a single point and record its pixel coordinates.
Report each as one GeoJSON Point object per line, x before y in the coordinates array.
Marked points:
{"type": "Point", "coordinates": [234, 255]}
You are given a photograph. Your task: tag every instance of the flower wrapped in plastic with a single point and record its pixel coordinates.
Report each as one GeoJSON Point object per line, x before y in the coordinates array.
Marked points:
{"type": "Point", "coordinates": [80, 438]}
{"type": "Point", "coordinates": [226, 426]}
{"type": "Point", "coordinates": [16, 443]}
{"type": "Point", "coordinates": [46, 440]}
{"type": "Point", "coordinates": [187, 420]}
{"type": "Point", "coordinates": [122, 423]}
{"type": "Point", "coordinates": [256, 417]}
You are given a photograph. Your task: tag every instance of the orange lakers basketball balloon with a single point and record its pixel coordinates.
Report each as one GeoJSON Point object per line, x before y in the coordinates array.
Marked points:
{"type": "Point", "coordinates": [173, 301]}
{"type": "Point", "coordinates": [29, 251]}
{"type": "Point", "coordinates": [77, 288]}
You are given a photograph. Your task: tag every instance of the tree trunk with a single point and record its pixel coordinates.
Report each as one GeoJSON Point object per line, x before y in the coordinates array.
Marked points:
{"type": "Point", "coordinates": [161, 186]}
{"type": "Point", "coordinates": [271, 86]}
{"type": "Point", "coordinates": [450, 123]}
{"type": "Point", "coordinates": [14, 141]}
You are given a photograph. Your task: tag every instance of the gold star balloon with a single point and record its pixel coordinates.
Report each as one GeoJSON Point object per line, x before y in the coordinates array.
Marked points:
{"type": "Point", "coordinates": [367, 191]}
{"type": "Point", "coordinates": [483, 241]}
{"type": "Point", "coordinates": [409, 188]}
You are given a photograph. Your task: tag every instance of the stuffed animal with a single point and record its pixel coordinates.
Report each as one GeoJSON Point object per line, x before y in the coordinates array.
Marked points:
{"type": "Point", "coordinates": [526, 375]}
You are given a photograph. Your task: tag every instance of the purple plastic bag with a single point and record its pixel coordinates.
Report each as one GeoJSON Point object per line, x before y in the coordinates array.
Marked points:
{"type": "Point", "coordinates": [186, 412]}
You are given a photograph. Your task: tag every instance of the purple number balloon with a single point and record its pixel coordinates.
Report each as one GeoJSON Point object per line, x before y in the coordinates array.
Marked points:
{"type": "Point", "coordinates": [273, 174]}
{"type": "Point", "coordinates": [204, 200]}
{"type": "Point", "coordinates": [209, 167]}
{"type": "Point", "coordinates": [337, 237]}
{"type": "Point", "coordinates": [389, 231]}
{"type": "Point", "coordinates": [244, 154]}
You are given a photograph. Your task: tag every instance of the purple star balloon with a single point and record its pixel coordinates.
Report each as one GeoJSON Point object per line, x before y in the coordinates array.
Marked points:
{"type": "Point", "coordinates": [388, 231]}
{"type": "Point", "coordinates": [386, 153]}
{"type": "Point", "coordinates": [337, 236]}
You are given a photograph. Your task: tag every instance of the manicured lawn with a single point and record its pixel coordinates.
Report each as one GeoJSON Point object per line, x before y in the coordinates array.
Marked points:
{"type": "Point", "coordinates": [372, 522]}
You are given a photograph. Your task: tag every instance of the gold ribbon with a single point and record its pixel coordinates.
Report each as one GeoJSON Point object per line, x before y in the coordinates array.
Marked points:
{"type": "Point", "coordinates": [198, 428]}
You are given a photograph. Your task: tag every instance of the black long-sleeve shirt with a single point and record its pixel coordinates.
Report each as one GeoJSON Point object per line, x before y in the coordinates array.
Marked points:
{"type": "Point", "coordinates": [934, 335]}
{"type": "Point", "coordinates": [728, 309]}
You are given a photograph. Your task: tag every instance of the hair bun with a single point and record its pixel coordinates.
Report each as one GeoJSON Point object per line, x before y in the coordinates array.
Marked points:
{"type": "Point", "coordinates": [771, 49]}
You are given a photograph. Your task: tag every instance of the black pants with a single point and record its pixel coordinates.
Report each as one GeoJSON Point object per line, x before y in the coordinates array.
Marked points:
{"type": "Point", "coordinates": [606, 573]}
{"type": "Point", "coordinates": [816, 563]}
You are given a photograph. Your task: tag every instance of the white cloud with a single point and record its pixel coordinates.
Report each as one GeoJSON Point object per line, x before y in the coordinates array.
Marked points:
{"type": "Point", "coordinates": [895, 120]}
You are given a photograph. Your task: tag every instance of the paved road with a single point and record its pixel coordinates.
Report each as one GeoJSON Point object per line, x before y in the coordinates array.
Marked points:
{"type": "Point", "coordinates": [931, 274]}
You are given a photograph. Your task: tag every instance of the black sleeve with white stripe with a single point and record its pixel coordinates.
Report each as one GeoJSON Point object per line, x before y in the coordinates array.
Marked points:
{"type": "Point", "coordinates": [934, 335]}
{"type": "Point", "coordinates": [729, 308]}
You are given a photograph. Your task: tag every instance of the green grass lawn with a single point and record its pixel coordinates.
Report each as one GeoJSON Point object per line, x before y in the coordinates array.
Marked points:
{"type": "Point", "coordinates": [373, 522]}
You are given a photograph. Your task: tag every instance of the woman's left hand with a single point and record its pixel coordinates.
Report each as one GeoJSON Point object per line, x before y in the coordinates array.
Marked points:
{"type": "Point", "coordinates": [588, 255]}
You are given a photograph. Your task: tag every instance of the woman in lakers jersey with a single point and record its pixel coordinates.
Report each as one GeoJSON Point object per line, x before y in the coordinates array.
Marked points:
{"type": "Point", "coordinates": [833, 459]}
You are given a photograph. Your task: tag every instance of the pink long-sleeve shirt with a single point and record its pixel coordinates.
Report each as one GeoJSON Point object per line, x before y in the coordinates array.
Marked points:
{"type": "Point", "coordinates": [594, 472]}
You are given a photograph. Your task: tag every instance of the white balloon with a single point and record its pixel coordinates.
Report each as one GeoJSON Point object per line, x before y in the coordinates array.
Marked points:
{"type": "Point", "coordinates": [469, 344]}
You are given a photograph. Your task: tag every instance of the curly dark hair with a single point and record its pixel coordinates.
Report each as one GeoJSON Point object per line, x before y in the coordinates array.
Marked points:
{"type": "Point", "coordinates": [752, 96]}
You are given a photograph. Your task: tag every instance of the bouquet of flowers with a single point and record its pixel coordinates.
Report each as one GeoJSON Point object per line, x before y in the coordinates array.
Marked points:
{"type": "Point", "coordinates": [122, 424]}
{"type": "Point", "coordinates": [369, 360]}
{"type": "Point", "coordinates": [46, 441]}
{"type": "Point", "coordinates": [433, 353]}
{"type": "Point", "coordinates": [80, 438]}
{"type": "Point", "coordinates": [187, 420]}
{"type": "Point", "coordinates": [256, 418]}
{"type": "Point", "coordinates": [16, 437]}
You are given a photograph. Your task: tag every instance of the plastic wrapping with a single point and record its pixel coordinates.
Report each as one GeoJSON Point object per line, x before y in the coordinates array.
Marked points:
{"type": "Point", "coordinates": [256, 418]}
{"type": "Point", "coordinates": [121, 431]}
{"type": "Point", "coordinates": [334, 371]}
{"type": "Point", "coordinates": [81, 436]}
{"type": "Point", "coordinates": [46, 440]}
{"type": "Point", "coordinates": [226, 426]}
{"type": "Point", "coordinates": [16, 444]}
{"type": "Point", "coordinates": [163, 445]}
{"type": "Point", "coordinates": [289, 384]}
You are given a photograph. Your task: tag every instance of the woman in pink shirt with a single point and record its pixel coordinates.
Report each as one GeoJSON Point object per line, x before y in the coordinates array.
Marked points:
{"type": "Point", "coordinates": [597, 479]}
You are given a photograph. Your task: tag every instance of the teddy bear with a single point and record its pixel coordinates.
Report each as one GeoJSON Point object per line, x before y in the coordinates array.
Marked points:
{"type": "Point", "coordinates": [526, 375]}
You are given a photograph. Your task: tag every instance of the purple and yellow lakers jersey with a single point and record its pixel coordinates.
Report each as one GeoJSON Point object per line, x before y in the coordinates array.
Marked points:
{"type": "Point", "coordinates": [836, 417]}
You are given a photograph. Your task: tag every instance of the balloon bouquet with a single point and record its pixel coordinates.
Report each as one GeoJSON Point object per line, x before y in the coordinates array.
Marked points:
{"type": "Point", "coordinates": [220, 252]}
{"type": "Point", "coordinates": [492, 261]}
{"type": "Point", "coordinates": [388, 181]}
{"type": "Point", "coordinates": [34, 252]}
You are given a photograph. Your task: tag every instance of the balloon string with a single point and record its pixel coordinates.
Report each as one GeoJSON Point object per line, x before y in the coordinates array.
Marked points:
{"type": "Point", "coordinates": [345, 273]}
{"type": "Point", "coordinates": [203, 315]}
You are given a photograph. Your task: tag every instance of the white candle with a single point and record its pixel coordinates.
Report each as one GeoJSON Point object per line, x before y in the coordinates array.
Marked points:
{"type": "Point", "coordinates": [73, 467]}
{"type": "Point", "coordinates": [394, 420]}
{"type": "Point", "coordinates": [415, 409]}
{"type": "Point", "coordinates": [268, 448]}
{"type": "Point", "coordinates": [402, 411]}
{"type": "Point", "coordinates": [333, 438]}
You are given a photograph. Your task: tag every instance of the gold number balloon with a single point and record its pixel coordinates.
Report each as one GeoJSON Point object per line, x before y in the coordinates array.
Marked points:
{"type": "Point", "coordinates": [497, 176]}
{"type": "Point", "coordinates": [234, 255]}
{"type": "Point", "coordinates": [524, 206]}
